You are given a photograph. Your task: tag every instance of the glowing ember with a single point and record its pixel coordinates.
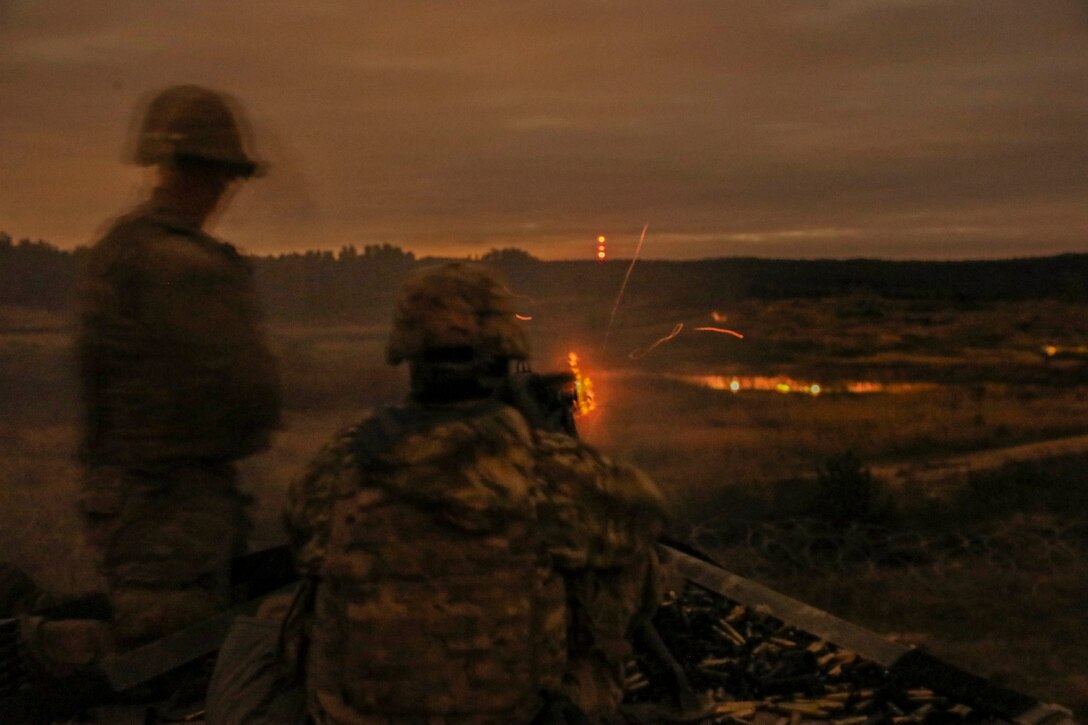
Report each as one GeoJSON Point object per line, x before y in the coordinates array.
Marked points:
{"type": "Point", "coordinates": [722, 330]}
{"type": "Point", "coordinates": [643, 352]}
{"type": "Point", "coordinates": [523, 318]}
{"type": "Point", "coordinates": [717, 316]}
{"type": "Point", "coordinates": [585, 402]}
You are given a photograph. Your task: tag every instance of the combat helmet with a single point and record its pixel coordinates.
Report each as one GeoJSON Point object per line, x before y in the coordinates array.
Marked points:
{"type": "Point", "coordinates": [196, 124]}
{"type": "Point", "coordinates": [456, 306]}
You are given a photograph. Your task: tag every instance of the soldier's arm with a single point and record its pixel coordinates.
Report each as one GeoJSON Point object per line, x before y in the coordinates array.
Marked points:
{"type": "Point", "coordinates": [307, 519]}
{"type": "Point", "coordinates": [600, 520]}
{"type": "Point", "coordinates": [201, 329]}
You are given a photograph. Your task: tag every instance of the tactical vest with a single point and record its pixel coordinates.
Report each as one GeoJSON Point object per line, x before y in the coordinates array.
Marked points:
{"type": "Point", "coordinates": [436, 599]}
{"type": "Point", "coordinates": [175, 365]}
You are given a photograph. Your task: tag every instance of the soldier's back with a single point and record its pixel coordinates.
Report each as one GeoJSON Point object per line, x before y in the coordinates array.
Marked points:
{"type": "Point", "coordinates": [436, 596]}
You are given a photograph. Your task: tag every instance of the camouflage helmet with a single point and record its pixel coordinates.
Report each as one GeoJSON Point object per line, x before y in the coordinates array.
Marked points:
{"type": "Point", "coordinates": [456, 306]}
{"type": "Point", "coordinates": [195, 123]}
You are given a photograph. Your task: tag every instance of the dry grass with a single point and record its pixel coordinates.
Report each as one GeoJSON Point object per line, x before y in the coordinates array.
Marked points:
{"type": "Point", "coordinates": [39, 529]}
{"type": "Point", "coordinates": [715, 454]}
{"type": "Point", "coordinates": [696, 441]}
{"type": "Point", "coordinates": [1023, 629]}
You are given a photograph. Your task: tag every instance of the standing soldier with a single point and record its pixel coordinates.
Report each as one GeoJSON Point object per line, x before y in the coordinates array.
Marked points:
{"type": "Point", "coordinates": [178, 382]}
{"type": "Point", "coordinates": [466, 567]}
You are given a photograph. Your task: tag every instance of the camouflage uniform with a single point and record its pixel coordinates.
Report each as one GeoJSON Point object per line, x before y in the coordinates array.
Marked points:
{"type": "Point", "coordinates": [178, 383]}
{"type": "Point", "coordinates": [468, 567]}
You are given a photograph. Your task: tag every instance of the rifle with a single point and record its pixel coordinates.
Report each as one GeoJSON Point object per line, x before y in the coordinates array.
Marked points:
{"type": "Point", "coordinates": [547, 401]}
{"type": "Point", "coordinates": [31, 697]}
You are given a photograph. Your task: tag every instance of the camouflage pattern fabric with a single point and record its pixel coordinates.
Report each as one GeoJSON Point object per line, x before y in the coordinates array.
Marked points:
{"type": "Point", "coordinates": [178, 382]}
{"type": "Point", "coordinates": [165, 543]}
{"type": "Point", "coordinates": [174, 364]}
{"type": "Point", "coordinates": [456, 583]}
{"type": "Point", "coordinates": [453, 306]}
{"type": "Point", "coordinates": [600, 519]}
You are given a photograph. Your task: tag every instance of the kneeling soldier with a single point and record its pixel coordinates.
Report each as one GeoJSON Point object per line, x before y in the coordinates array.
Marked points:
{"type": "Point", "coordinates": [466, 567]}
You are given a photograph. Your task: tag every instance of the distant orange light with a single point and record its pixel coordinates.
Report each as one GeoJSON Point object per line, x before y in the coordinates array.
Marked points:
{"type": "Point", "coordinates": [523, 317]}
{"type": "Point", "coordinates": [600, 240]}
{"type": "Point", "coordinates": [600, 255]}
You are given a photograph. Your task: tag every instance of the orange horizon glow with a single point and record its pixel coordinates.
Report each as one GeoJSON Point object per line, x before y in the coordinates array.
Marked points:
{"type": "Point", "coordinates": [786, 385]}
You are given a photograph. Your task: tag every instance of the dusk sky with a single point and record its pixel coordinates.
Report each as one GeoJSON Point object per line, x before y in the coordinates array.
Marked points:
{"type": "Point", "coordinates": [778, 128]}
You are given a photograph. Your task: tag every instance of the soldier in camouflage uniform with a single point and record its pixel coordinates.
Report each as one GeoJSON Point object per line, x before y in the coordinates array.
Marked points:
{"type": "Point", "coordinates": [178, 381]}
{"type": "Point", "coordinates": [467, 567]}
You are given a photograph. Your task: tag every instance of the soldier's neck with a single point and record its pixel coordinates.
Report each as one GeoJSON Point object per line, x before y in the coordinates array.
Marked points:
{"type": "Point", "coordinates": [193, 212]}
{"type": "Point", "coordinates": [442, 384]}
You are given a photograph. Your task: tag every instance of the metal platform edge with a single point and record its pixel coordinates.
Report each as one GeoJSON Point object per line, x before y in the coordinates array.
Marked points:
{"type": "Point", "coordinates": [921, 666]}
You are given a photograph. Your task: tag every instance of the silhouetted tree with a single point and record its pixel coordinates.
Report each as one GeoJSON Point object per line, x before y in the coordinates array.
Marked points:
{"type": "Point", "coordinates": [508, 256]}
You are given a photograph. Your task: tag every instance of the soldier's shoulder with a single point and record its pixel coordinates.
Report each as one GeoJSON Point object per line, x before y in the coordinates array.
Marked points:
{"type": "Point", "coordinates": [329, 476]}
{"type": "Point", "coordinates": [572, 468]}
{"type": "Point", "coordinates": [473, 464]}
{"type": "Point", "coordinates": [136, 241]}
{"type": "Point", "coordinates": [122, 243]}
{"type": "Point", "coordinates": [448, 437]}
{"type": "Point", "coordinates": [145, 240]}
{"type": "Point", "coordinates": [340, 453]}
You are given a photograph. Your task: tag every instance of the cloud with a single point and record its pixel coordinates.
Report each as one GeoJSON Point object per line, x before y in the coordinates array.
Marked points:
{"type": "Point", "coordinates": [432, 124]}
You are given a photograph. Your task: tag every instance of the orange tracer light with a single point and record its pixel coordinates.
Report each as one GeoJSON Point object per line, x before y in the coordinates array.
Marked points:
{"type": "Point", "coordinates": [585, 401]}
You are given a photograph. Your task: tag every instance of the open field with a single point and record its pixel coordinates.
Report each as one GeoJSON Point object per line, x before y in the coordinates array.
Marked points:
{"type": "Point", "coordinates": [900, 382]}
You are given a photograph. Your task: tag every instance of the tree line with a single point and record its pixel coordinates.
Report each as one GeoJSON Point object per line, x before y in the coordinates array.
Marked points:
{"type": "Point", "coordinates": [359, 285]}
